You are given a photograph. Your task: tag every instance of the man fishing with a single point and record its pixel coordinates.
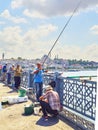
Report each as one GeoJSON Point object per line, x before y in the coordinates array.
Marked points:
{"type": "Point", "coordinates": [38, 80]}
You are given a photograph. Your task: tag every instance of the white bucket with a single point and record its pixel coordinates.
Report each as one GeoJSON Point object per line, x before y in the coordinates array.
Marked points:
{"type": "Point", "coordinates": [23, 99]}
{"type": "Point", "coordinates": [17, 99]}
{"type": "Point", "coordinates": [12, 100]}
{"type": "Point", "coordinates": [0, 106]}
{"type": "Point", "coordinates": [36, 110]}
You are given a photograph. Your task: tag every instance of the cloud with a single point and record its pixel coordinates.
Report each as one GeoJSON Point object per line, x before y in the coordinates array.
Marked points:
{"type": "Point", "coordinates": [52, 7]}
{"type": "Point", "coordinates": [10, 37]}
{"type": "Point", "coordinates": [94, 29]}
{"type": "Point", "coordinates": [16, 4]}
{"type": "Point", "coordinates": [34, 14]}
{"type": "Point", "coordinates": [41, 31]}
{"type": "Point", "coordinates": [30, 44]}
{"type": "Point", "coordinates": [2, 22]}
{"type": "Point", "coordinates": [88, 52]}
{"type": "Point", "coordinates": [91, 52]}
{"type": "Point", "coordinates": [6, 14]}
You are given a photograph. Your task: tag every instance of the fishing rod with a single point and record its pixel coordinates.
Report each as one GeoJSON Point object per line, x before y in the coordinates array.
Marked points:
{"type": "Point", "coordinates": [62, 31]}
{"type": "Point", "coordinates": [75, 9]}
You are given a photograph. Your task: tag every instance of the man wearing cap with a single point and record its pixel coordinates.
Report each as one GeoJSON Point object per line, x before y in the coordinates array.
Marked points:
{"type": "Point", "coordinates": [50, 102]}
{"type": "Point", "coordinates": [38, 80]}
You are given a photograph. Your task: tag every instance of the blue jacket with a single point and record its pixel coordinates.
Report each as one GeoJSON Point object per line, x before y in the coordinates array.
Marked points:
{"type": "Point", "coordinates": [4, 69]}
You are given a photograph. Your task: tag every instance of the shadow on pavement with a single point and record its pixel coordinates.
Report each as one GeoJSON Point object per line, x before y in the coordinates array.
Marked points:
{"type": "Point", "coordinates": [71, 124]}
{"type": "Point", "coordinates": [12, 91]}
{"type": "Point", "coordinates": [47, 122]}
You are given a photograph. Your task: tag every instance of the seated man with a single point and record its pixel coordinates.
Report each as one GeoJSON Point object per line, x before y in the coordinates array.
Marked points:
{"type": "Point", "coordinates": [50, 102]}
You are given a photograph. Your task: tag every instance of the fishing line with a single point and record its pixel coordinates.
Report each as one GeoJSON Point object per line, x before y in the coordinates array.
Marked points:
{"type": "Point", "coordinates": [62, 31]}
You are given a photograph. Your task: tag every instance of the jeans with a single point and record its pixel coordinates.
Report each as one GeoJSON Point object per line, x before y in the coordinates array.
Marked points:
{"type": "Point", "coordinates": [38, 87]}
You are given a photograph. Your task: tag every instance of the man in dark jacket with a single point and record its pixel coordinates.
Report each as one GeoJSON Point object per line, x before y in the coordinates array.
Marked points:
{"type": "Point", "coordinates": [4, 70]}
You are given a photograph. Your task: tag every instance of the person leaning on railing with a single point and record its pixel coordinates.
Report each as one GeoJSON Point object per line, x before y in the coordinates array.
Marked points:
{"type": "Point", "coordinates": [17, 76]}
{"type": "Point", "coordinates": [4, 71]}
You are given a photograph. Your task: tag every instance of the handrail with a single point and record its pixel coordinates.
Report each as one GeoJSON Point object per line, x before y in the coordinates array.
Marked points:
{"type": "Point", "coordinates": [81, 76]}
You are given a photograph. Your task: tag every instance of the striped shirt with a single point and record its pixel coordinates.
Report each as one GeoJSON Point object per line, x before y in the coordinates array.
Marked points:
{"type": "Point", "coordinates": [53, 99]}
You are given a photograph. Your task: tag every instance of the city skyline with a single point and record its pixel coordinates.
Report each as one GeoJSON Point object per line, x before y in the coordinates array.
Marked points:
{"type": "Point", "coordinates": [28, 29]}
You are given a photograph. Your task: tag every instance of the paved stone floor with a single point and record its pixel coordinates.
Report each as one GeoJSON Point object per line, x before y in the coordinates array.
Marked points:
{"type": "Point", "coordinates": [12, 117]}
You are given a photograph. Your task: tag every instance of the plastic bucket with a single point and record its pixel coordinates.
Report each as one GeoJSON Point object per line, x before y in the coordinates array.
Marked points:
{"type": "Point", "coordinates": [28, 110]}
{"type": "Point", "coordinates": [0, 106]}
{"type": "Point", "coordinates": [36, 110]}
{"type": "Point", "coordinates": [22, 92]}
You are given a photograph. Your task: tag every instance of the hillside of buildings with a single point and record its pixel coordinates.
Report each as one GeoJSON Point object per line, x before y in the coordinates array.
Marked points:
{"type": "Point", "coordinates": [56, 63]}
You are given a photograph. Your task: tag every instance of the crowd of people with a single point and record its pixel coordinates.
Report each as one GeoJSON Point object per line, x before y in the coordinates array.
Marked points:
{"type": "Point", "coordinates": [49, 100]}
{"type": "Point", "coordinates": [11, 71]}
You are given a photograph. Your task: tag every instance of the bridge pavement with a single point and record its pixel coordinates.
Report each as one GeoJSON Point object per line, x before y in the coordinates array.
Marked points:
{"type": "Point", "coordinates": [12, 117]}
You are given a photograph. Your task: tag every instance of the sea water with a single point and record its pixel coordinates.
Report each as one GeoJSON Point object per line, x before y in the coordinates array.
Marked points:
{"type": "Point", "coordinates": [81, 74]}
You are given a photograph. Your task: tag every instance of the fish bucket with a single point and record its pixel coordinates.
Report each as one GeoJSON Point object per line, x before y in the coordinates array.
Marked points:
{"type": "Point", "coordinates": [29, 109]}
{"type": "Point", "coordinates": [36, 110]}
{"type": "Point", "coordinates": [22, 92]}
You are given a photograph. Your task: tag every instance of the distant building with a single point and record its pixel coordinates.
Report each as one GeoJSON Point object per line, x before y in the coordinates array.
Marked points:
{"type": "Point", "coordinates": [2, 56]}
{"type": "Point", "coordinates": [76, 66]}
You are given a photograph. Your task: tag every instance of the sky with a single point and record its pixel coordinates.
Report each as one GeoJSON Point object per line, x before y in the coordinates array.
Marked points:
{"type": "Point", "coordinates": [29, 28]}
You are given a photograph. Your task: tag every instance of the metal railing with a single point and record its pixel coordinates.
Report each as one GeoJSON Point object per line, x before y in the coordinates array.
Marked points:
{"type": "Point", "coordinates": [77, 97]}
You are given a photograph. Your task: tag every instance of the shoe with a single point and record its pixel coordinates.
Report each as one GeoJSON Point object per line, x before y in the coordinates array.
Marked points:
{"type": "Point", "coordinates": [46, 117]}
{"type": "Point", "coordinates": [55, 114]}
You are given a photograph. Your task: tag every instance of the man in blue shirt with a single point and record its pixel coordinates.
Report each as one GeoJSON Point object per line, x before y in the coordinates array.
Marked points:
{"type": "Point", "coordinates": [38, 80]}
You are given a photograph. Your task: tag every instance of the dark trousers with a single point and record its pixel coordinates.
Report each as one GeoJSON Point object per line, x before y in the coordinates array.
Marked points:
{"type": "Point", "coordinates": [8, 78]}
{"type": "Point", "coordinates": [17, 80]}
{"type": "Point", "coordinates": [47, 109]}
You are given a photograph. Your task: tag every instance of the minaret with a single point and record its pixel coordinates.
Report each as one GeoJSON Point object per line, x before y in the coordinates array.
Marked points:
{"type": "Point", "coordinates": [2, 56]}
